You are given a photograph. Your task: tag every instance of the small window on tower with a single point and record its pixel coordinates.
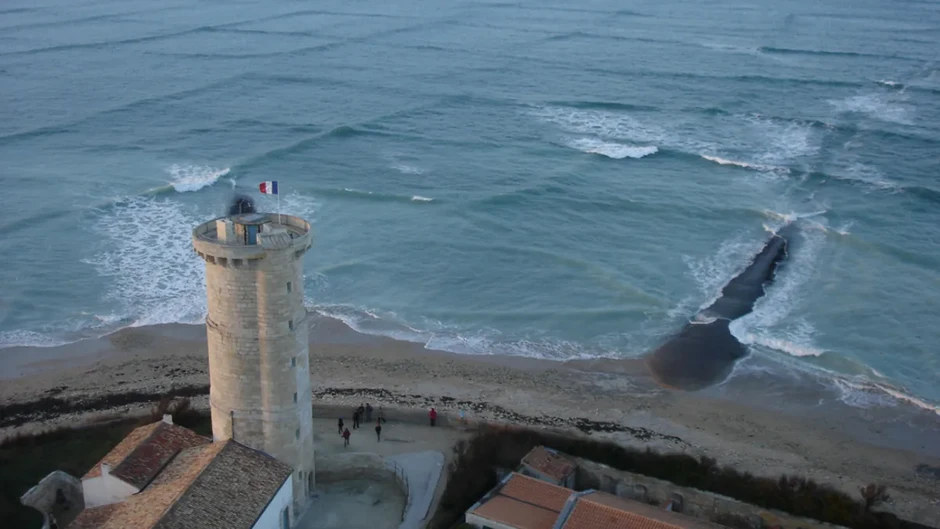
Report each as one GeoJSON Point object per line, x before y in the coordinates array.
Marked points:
{"type": "Point", "coordinates": [288, 287]}
{"type": "Point", "coordinates": [297, 433]}
{"type": "Point", "coordinates": [295, 398]}
{"type": "Point", "coordinates": [293, 361]}
{"type": "Point", "coordinates": [290, 324]}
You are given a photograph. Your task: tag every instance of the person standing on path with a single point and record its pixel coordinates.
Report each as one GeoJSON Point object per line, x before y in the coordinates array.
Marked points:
{"type": "Point", "coordinates": [355, 419]}
{"type": "Point", "coordinates": [378, 431]}
{"type": "Point", "coordinates": [346, 435]}
{"type": "Point", "coordinates": [433, 416]}
{"type": "Point", "coordinates": [368, 412]}
{"type": "Point", "coordinates": [341, 426]}
{"type": "Point", "coordinates": [362, 411]}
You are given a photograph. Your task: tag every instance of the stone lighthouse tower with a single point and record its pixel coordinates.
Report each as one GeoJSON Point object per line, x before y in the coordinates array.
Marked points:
{"type": "Point", "coordinates": [259, 369]}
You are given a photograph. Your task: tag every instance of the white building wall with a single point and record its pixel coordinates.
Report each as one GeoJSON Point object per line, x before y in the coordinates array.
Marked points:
{"type": "Point", "coordinates": [271, 517]}
{"type": "Point", "coordinates": [105, 490]}
{"type": "Point", "coordinates": [480, 522]}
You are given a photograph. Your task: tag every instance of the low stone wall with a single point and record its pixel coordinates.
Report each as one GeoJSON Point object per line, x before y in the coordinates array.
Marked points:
{"type": "Point", "coordinates": [694, 502]}
{"type": "Point", "coordinates": [354, 465]}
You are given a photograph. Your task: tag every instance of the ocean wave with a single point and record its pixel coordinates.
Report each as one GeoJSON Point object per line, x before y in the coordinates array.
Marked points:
{"type": "Point", "coordinates": [406, 168]}
{"type": "Point", "coordinates": [188, 178]}
{"type": "Point", "coordinates": [617, 151]}
{"type": "Point", "coordinates": [745, 165]}
{"type": "Point", "coordinates": [823, 53]}
{"type": "Point", "coordinates": [349, 193]}
{"type": "Point", "coordinates": [22, 338]}
{"type": "Point", "coordinates": [602, 124]}
{"type": "Point", "coordinates": [892, 84]}
{"type": "Point", "coordinates": [876, 106]}
{"type": "Point", "coordinates": [419, 198]}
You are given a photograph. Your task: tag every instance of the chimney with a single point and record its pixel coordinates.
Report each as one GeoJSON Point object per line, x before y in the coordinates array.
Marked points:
{"type": "Point", "coordinates": [105, 469]}
{"type": "Point", "coordinates": [167, 418]}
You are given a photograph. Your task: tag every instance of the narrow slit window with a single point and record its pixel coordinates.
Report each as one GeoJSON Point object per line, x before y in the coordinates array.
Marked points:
{"type": "Point", "coordinates": [289, 287]}
{"type": "Point", "coordinates": [290, 324]}
{"type": "Point", "coordinates": [295, 398]}
{"type": "Point", "coordinates": [293, 361]}
{"type": "Point", "coordinates": [297, 433]}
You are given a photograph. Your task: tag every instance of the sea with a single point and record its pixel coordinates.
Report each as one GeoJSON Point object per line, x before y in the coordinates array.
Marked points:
{"type": "Point", "coordinates": [558, 180]}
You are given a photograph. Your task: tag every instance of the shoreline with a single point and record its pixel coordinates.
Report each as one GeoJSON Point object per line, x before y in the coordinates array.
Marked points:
{"type": "Point", "coordinates": [753, 422]}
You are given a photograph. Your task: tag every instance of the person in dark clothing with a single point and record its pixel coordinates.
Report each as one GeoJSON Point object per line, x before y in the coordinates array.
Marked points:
{"type": "Point", "coordinates": [433, 416]}
{"type": "Point", "coordinates": [362, 411]}
{"type": "Point", "coordinates": [355, 419]}
{"type": "Point", "coordinates": [341, 426]}
{"type": "Point", "coordinates": [346, 435]}
{"type": "Point", "coordinates": [378, 431]}
{"type": "Point", "coordinates": [368, 412]}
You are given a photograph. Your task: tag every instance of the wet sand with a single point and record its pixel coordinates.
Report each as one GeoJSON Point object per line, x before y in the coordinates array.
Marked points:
{"type": "Point", "coordinates": [762, 423]}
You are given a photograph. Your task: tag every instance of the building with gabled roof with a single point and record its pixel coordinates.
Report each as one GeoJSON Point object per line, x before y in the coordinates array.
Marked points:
{"type": "Point", "coordinates": [185, 481]}
{"type": "Point", "coordinates": [549, 465]}
{"type": "Point", "coordinates": [523, 502]}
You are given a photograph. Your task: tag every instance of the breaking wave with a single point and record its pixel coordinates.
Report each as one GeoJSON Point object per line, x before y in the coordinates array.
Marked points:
{"type": "Point", "coordinates": [617, 151]}
{"type": "Point", "coordinates": [188, 178]}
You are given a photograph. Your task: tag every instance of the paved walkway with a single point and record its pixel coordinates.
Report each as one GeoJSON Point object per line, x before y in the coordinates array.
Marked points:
{"type": "Point", "coordinates": [420, 451]}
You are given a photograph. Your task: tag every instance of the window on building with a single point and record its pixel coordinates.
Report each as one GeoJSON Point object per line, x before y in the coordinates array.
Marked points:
{"type": "Point", "coordinates": [285, 519]}
{"type": "Point", "coordinates": [288, 287]}
{"type": "Point", "coordinates": [297, 433]}
{"type": "Point", "coordinates": [295, 398]}
{"type": "Point", "coordinates": [293, 361]}
{"type": "Point", "coordinates": [290, 324]}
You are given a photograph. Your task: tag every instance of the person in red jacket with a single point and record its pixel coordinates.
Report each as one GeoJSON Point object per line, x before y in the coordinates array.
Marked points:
{"type": "Point", "coordinates": [433, 416]}
{"type": "Point", "coordinates": [345, 437]}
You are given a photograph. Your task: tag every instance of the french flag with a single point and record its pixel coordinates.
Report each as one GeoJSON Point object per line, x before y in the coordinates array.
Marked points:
{"type": "Point", "coordinates": [268, 188]}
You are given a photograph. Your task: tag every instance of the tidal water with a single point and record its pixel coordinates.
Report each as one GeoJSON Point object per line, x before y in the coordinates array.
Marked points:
{"type": "Point", "coordinates": [542, 178]}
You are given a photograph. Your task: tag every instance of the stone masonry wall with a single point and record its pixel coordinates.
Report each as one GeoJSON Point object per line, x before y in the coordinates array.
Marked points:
{"type": "Point", "coordinates": [259, 360]}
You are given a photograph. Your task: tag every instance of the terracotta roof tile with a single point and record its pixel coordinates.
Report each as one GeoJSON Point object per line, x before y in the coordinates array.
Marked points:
{"type": "Point", "coordinates": [536, 492]}
{"type": "Point", "coordinates": [504, 510]}
{"type": "Point", "coordinates": [144, 462]}
{"type": "Point", "coordinates": [119, 452]}
{"type": "Point", "coordinates": [599, 510]}
{"type": "Point", "coordinates": [549, 463]}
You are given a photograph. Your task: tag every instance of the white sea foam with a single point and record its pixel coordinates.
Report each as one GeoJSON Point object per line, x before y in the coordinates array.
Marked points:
{"type": "Point", "coordinates": [767, 324]}
{"type": "Point", "coordinates": [608, 125]}
{"type": "Point", "coordinates": [617, 151]}
{"type": "Point", "coordinates": [712, 273]}
{"type": "Point", "coordinates": [153, 273]}
{"type": "Point", "coordinates": [892, 84]}
{"type": "Point", "coordinates": [868, 175]}
{"type": "Point", "coordinates": [21, 338]}
{"type": "Point", "coordinates": [883, 107]}
{"type": "Point", "coordinates": [746, 165]}
{"type": "Point", "coordinates": [188, 178]}
{"type": "Point", "coordinates": [407, 168]}
{"type": "Point", "coordinates": [419, 198]}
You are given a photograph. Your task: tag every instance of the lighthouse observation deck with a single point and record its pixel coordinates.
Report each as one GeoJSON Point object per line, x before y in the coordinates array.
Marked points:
{"type": "Point", "coordinates": [250, 236]}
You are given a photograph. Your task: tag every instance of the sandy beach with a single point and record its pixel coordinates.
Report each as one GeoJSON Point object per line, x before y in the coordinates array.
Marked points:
{"type": "Point", "coordinates": [755, 423]}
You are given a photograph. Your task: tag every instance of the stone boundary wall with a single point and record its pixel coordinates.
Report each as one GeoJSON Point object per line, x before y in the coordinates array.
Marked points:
{"type": "Point", "coordinates": [694, 502]}
{"type": "Point", "coordinates": [354, 465]}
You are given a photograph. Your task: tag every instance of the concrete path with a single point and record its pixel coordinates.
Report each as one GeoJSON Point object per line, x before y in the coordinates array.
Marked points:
{"type": "Point", "coordinates": [422, 471]}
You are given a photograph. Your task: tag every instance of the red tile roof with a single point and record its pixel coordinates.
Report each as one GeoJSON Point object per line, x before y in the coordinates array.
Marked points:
{"type": "Point", "coordinates": [525, 503]}
{"type": "Point", "coordinates": [549, 463]}
{"type": "Point", "coordinates": [145, 451]}
{"type": "Point", "coordinates": [599, 510]}
{"type": "Point", "coordinates": [514, 513]}
{"type": "Point", "coordinates": [536, 492]}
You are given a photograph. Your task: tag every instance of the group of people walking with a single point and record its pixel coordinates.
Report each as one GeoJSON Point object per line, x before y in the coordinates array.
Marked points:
{"type": "Point", "coordinates": [364, 413]}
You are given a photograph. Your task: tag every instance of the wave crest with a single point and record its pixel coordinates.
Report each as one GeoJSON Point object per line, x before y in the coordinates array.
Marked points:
{"type": "Point", "coordinates": [617, 151]}
{"type": "Point", "coordinates": [188, 178]}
